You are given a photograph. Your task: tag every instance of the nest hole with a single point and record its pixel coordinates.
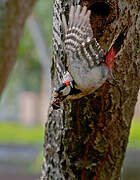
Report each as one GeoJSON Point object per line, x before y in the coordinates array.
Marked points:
{"type": "Point", "coordinates": [100, 9]}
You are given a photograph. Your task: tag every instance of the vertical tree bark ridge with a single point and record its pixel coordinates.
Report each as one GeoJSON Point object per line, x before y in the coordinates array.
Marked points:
{"type": "Point", "coordinates": [52, 167]}
{"type": "Point", "coordinates": [12, 18]}
{"type": "Point", "coordinates": [87, 138]}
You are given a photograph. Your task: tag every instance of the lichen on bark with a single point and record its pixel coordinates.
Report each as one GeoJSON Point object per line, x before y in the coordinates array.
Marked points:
{"type": "Point", "coordinates": [87, 138]}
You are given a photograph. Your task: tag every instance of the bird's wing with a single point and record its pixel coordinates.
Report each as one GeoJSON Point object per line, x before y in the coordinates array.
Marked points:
{"type": "Point", "coordinates": [91, 52]}
{"type": "Point", "coordinates": [78, 31]}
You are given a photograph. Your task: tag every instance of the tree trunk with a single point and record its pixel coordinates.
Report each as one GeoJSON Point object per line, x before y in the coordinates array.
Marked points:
{"type": "Point", "coordinates": [12, 18]}
{"type": "Point", "coordinates": [87, 138]}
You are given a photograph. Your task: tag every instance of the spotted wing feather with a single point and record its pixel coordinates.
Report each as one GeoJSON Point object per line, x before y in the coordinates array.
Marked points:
{"type": "Point", "coordinates": [78, 31]}
{"type": "Point", "coordinates": [91, 52]}
{"type": "Point", "coordinates": [79, 36]}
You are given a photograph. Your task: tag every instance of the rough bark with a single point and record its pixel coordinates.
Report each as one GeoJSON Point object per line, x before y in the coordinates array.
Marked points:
{"type": "Point", "coordinates": [12, 18]}
{"type": "Point", "coordinates": [87, 138]}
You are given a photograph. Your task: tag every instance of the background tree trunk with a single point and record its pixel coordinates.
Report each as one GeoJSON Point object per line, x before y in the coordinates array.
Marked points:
{"type": "Point", "coordinates": [12, 18]}
{"type": "Point", "coordinates": [87, 138]}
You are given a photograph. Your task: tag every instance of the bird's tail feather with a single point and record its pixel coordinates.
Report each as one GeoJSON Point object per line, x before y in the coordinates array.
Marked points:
{"type": "Point", "coordinates": [115, 48]}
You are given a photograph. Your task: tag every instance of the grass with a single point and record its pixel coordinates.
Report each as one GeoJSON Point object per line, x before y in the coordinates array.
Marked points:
{"type": "Point", "coordinates": [134, 138]}
{"type": "Point", "coordinates": [19, 134]}
{"type": "Point", "coordinates": [14, 133]}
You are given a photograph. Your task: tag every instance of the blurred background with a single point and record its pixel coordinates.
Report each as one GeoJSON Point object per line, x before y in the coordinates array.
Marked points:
{"type": "Point", "coordinates": [24, 103]}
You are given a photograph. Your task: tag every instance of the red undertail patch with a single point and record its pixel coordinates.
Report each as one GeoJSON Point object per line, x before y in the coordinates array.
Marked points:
{"type": "Point", "coordinates": [110, 57]}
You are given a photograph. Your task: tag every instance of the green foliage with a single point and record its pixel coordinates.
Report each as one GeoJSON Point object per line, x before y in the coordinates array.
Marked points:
{"type": "Point", "coordinates": [14, 133]}
{"type": "Point", "coordinates": [28, 72]}
{"type": "Point", "coordinates": [44, 12]}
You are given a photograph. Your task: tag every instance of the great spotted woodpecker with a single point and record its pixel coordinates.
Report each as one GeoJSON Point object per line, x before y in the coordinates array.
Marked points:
{"type": "Point", "coordinates": [88, 66]}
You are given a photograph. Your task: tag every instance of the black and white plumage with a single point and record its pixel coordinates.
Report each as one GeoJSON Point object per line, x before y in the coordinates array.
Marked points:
{"type": "Point", "coordinates": [88, 67]}
{"type": "Point", "coordinates": [85, 56]}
